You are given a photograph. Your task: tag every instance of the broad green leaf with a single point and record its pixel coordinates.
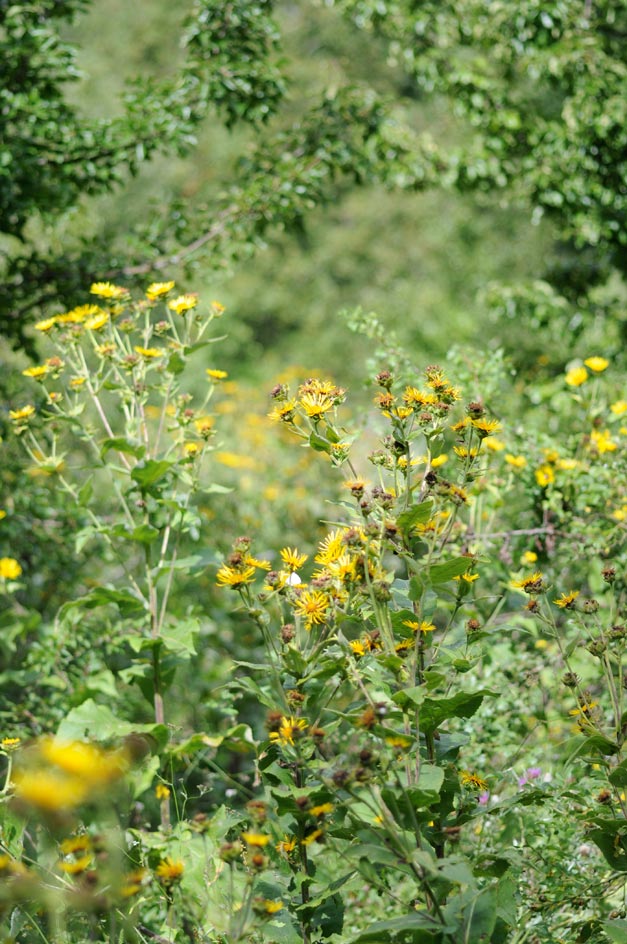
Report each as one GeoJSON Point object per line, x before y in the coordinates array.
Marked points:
{"type": "Point", "coordinates": [441, 573]}
{"type": "Point", "coordinates": [618, 777]}
{"type": "Point", "coordinates": [417, 514]}
{"type": "Point", "coordinates": [434, 711]}
{"type": "Point", "coordinates": [319, 444]}
{"type": "Point", "coordinates": [143, 533]}
{"type": "Point", "coordinates": [96, 721]}
{"type": "Point", "coordinates": [179, 637]}
{"type": "Point", "coordinates": [616, 930]}
{"type": "Point", "coordinates": [148, 473]}
{"type": "Point", "coordinates": [130, 606]}
{"type": "Point", "coordinates": [423, 930]}
{"type": "Point", "coordinates": [121, 444]}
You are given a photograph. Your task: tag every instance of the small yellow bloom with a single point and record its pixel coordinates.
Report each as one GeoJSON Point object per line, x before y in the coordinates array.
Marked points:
{"type": "Point", "coordinates": [307, 841]}
{"type": "Point", "coordinates": [597, 364]}
{"type": "Point", "coordinates": [517, 462]}
{"type": "Point", "coordinates": [545, 475]}
{"type": "Point", "coordinates": [183, 303]}
{"type": "Point", "coordinates": [97, 322]}
{"type": "Point", "coordinates": [22, 414]}
{"type": "Point", "coordinates": [439, 460]}
{"type": "Point", "coordinates": [108, 290]}
{"type": "Point", "coordinates": [292, 559]}
{"type": "Point", "coordinates": [49, 790]}
{"type": "Point", "coordinates": [619, 407]}
{"type": "Point", "coordinates": [286, 845]}
{"type": "Point", "coordinates": [10, 744]}
{"type": "Point", "coordinates": [321, 810]}
{"type": "Point", "coordinates": [46, 325]}
{"type": "Point", "coordinates": [162, 792]}
{"type": "Point", "coordinates": [157, 289]}
{"type": "Point", "coordinates": [491, 442]}
{"type": "Point", "coordinates": [217, 308]}
{"type": "Point", "coordinates": [89, 762]}
{"type": "Point", "coordinates": [77, 382]}
{"type": "Point", "coordinates": [529, 557]}
{"type": "Point", "coordinates": [257, 840]}
{"type": "Point", "coordinates": [313, 606]}
{"type": "Point", "coordinates": [75, 844]}
{"type": "Point", "coordinates": [231, 577]}
{"type": "Point", "coordinates": [191, 449]}
{"type": "Point", "coordinates": [567, 465]}
{"type": "Point", "coordinates": [215, 374]}
{"type": "Point", "coordinates": [169, 871]}
{"type": "Point", "coordinates": [469, 779]}
{"type": "Point", "coordinates": [36, 373]}
{"type": "Point", "coordinates": [576, 376]}
{"type": "Point", "coordinates": [266, 906]}
{"type": "Point", "coordinates": [77, 866]}
{"type": "Point", "coordinates": [10, 569]}
{"type": "Point", "coordinates": [149, 352]}
{"type": "Point", "coordinates": [316, 405]}
{"type": "Point", "coordinates": [531, 584]}
{"type": "Point", "coordinates": [602, 441]}
{"type": "Point", "coordinates": [3, 514]}
{"type": "Point", "coordinates": [567, 600]}
{"type": "Point", "coordinates": [289, 729]}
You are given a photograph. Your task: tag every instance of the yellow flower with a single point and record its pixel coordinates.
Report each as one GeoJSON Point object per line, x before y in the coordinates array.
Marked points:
{"type": "Point", "coordinates": [46, 324]}
{"type": "Point", "coordinates": [619, 407]}
{"type": "Point", "coordinates": [283, 412]}
{"type": "Point", "coordinates": [183, 303]}
{"type": "Point", "coordinates": [203, 426]}
{"type": "Point", "coordinates": [292, 559]}
{"type": "Point", "coordinates": [257, 840]}
{"type": "Point", "coordinates": [530, 584]}
{"type": "Point", "coordinates": [358, 648]}
{"type": "Point", "coordinates": [597, 364]}
{"type": "Point", "coordinates": [529, 557]}
{"type": "Point", "coordinates": [233, 461]}
{"type": "Point", "coordinates": [36, 373]}
{"type": "Point", "coordinates": [266, 906]}
{"type": "Point", "coordinates": [149, 351]}
{"type": "Point", "coordinates": [218, 308]}
{"type": "Point", "coordinates": [156, 289]}
{"type": "Point", "coordinates": [161, 791]}
{"type": "Point", "coordinates": [567, 600]}
{"type": "Point", "coordinates": [401, 741]}
{"type": "Point", "coordinates": [49, 790]}
{"type": "Point", "coordinates": [77, 382]}
{"type": "Point", "coordinates": [321, 810]}
{"type": "Point", "coordinates": [169, 871]}
{"type": "Point", "coordinates": [288, 729]}
{"type": "Point", "coordinates": [107, 290]}
{"type": "Point", "coordinates": [439, 460]}
{"type": "Point", "coordinates": [215, 374]}
{"type": "Point", "coordinates": [77, 866]}
{"type": "Point", "coordinates": [191, 449]}
{"type": "Point", "coordinates": [567, 465]}
{"type": "Point", "coordinates": [90, 762]}
{"type": "Point", "coordinates": [602, 441]}
{"type": "Point", "coordinates": [97, 322]}
{"type": "Point", "coordinates": [10, 744]}
{"type": "Point", "coordinates": [10, 569]}
{"type": "Point", "coordinates": [466, 453]}
{"type": "Point", "coordinates": [496, 445]}
{"type": "Point", "coordinates": [469, 779]}
{"type": "Point", "coordinates": [230, 577]}
{"type": "Point", "coordinates": [286, 845]}
{"type": "Point", "coordinates": [545, 475]}
{"type": "Point", "coordinates": [517, 462]}
{"type": "Point", "coordinates": [316, 405]}
{"type": "Point", "coordinates": [3, 514]}
{"type": "Point", "coordinates": [331, 548]}
{"type": "Point", "coordinates": [75, 844]}
{"type": "Point", "coordinates": [312, 606]}
{"type": "Point", "coordinates": [307, 841]}
{"type": "Point", "coordinates": [486, 427]}
{"type": "Point", "coordinates": [576, 376]}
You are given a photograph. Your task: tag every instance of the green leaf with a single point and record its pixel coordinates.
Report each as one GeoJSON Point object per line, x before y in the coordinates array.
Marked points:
{"type": "Point", "coordinates": [148, 473]}
{"type": "Point", "coordinates": [180, 636]}
{"type": "Point", "coordinates": [427, 790]}
{"type": "Point", "coordinates": [176, 364]}
{"type": "Point", "coordinates": [616, 930]}
{"type": "Point", "coordinates": [85, 494]}
{"type": "Point", "coordinates": [417, 514]}
{"type": "Point", "coordinates": [423, 930]}
{"type": "Point", "coordinates": [618, 777]}
{"type": "Point", "coordinates": [98, 721]}
{"type": "Point", "coordinates": [121, 444]}
{"type": "Point", "coordinates": [434, 711]}
{"type": "Point", "coordinates": [589, 744]}
{"type": "Point", "coordinates": [143, 533]}
{"type": "Point", "coordinates": [319, 444]}
{"type": "Point", "coordinates": [441, 573]}
{"type": "Point", "coordinates": [130, 606]}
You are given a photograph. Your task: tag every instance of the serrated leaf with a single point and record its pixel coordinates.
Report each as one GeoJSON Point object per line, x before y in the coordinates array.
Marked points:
{"type": "Point", "coordinates": [441, 573]}
{"type": "Point", "coordinates": [98, 721]}
{"type": "Point", "coordinates": [148, 473]}
{"type": "Point", "coordinates": [433, 711]}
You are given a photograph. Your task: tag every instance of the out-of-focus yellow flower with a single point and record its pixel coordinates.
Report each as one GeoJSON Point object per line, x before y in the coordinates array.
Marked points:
{"type": "Point", "coordinates": [89, 762]}
{"type": "Point", "coordinates": [149, 352]}
{"type": "Point", "coordinates": [36, 373]}
{"type": "Point", "coordinates": [157, 289]}
{"type": "Point", "coordinates": [170, 871]}
{"type": "Point", "coordinates": [46, 325]}
{"type": "Point", "coordinates": [183, 303]}
{"type": "Point", "coordinates": [545, 475]}
{"type": "Point", "coordinates": [602, 441]}
{"type": "Point", "coordinates": [49, 790]}
{"type": "Point", "coordinates": [597, 364]}
{"type": "Point", "coordinates": [576, 376]}
{"type": "Point", "coordinates": [619, 407]}
{"type": "Point", "coordinates": [215, 374]}
{"type": "Point", "coordinates": [107, 290]}
{"type": "Point", "coordinates": [517, 462]}
{"type": "Point", "coordinates": [161, 791]}
{"type": "Point", "coordinates": [97, 322]}
{"type": "Point", "coordinates": [10, 569]}
{"type": "Point", "coordinates": [529, 557]}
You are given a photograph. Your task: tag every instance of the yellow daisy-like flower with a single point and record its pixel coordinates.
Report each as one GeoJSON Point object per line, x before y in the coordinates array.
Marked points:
{"type": "Point", "coordinates": [257, 840]}
{"type": "Point", "coordinates": [231, 577]}
{"type": "Point", "coordinates": [90, 762]}
{"type": "Point", "coordinates": [97, 322]}
{"type": "Point", "coordinates": [545, 475]}
{"type": "Point", "coordinates": [77, 382]}
{"type": "Point", "coordinates": [204, 425]}
{"type": "Point", "coordinates": [289, 729]}
{"type": "Point", "coordinates": [191, 449]}
{"type": "Point", "coordinates": [358, 648]}
{"type": "Point", "coordinates": [286, 845]}
{"type": "Point", "coordinates": [266, 906]}
{"type": "Point", "coordinates": [316, 405]}
{"type": "Point", "coordinates": [46, 325]}
{"type": "Point", "coordinates": [77, 866]}
{"type": "Point", "coordinates": [75, 844]}
{"type": "Point", "coordinates": [567, 600]}
{"type": "Point", "coordinates": [24, 413]}
{"type": "Point", "coordinates": [169, 871]}
{"type": "Point", "coordinates": [36, 373]}
{"type": "Point", "coordinates": [419, 626]}
{"type": "Point", "coordinates": [307, 841]}
{"type": "Point", "coordinates": [517, 462]}
{"type": "Point", "coordinates": [466, 453]}
{"type": "Point", "coordinates": [10, 569]}
{"type": "Point", "coordinates": [183, 303]}
{"type": "Point", "coordinates": [493, 443]}
{"type": "Point", "coordinates": [292, 559]}
{"type": "Point", "coordinates": [529, 557]}
{"type": "Point", "coordinates": [149, 352]}
{"type": "Point", "coordinates": [486, 427]}
{"type": "Point", "coordinates": [472, 780]}
{"type": "Point", "coordinates": [331, 548]}
{"type": "Point", "coordinates": [530, 584]}
{"type": "Point", "coordinates": [312, 606]}
{"type": "Point", "coordinates": [162, 792]}
{"type": "Point", "coordinates": [107, 290]}
{"type": "Point", "coordinates": [214, 374]}
{"type": "Point", "coordinates": [157, 289]}
{"type": "Point", "coordinates": [576, 376]}
{"type": "Point", "coordinates": [597, 364]}
{"type": "Point", "coordinates": [602, 441]}
{"type": "Point", "coordinates": [619, 407]}
{"type": "Point", "coordinates": [10, 744]}
{"type": "Point", "coordinates": [49, 790]}
{"type": "Point", "coordinates": [217, 308]}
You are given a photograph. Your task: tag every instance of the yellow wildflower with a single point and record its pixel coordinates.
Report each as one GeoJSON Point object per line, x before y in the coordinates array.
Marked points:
{"type": "Point", "coordinates": [49, 790]}
{"type": "Point", "coordinates": [46, 324]}
{"type": "Point", "coordinates": [545, 475]}
{"type": "Point", "coordinates": [529, 557]}
{"type": "Point", "coordinates": [517, 462]}
{"type": "Point", "coordinates": [217, 308]}
{"type": "Point", "coordinates": [530, 584]}
{"type": "Point", "coordinates": [597, 364]}
{"type": "Point", "coordinates": [619, 407]}
{"type": "Point", "coordinates": [231, 577]}
{"type": "Point", "coordinates": [331, 548]}
{"type": "Point", "coordinates": [576, 376]}
{"type": "Point", "coordinates": [10, 569]}
{"type": "Point", "coordinates": [286, 845]}
{"type": "Point", "coordinates": [169, 871]}
{"type": "Point", "coordinates": [292, 559]}
{"type": "Point", "coordinates": [90, 762]}
{"type": "Point", "coordinates": [157, 289]}
{"type": "Point", "coordinates": [288, 729]}
{"type": "Point", "coordinates": [10, 744]}
{"type": "Point", "coordinates": [149, 352]}
{"type": "Point", "coordinates": [215, 374]}
{"type": "Point", "coordinates": [486, 427]}
{"type": "Point", "coordinates": [97, 322]}
{"type": "Point", "coordinates": [257, 840]}
{"type": "Point", "coordinates": [469, 779]}
{"type": "Point", "coordinates": [316, 405]}
{"type": "Point", "coordinates": [161, 791]}
{"type": "Point", "coordinates": [183, 303]}
{"type": "Point", "coordinates": [307, 841]}
{"type": "Point", "coordinates": [602, 441]}
{"type": "Point", "coordinates": [77, 866]}
{"type": "Point", "coordinates": [312, 606]}
{"type": "Point", "coordinates": [464, 452]}
{"type": "Point", "coordinates": [491, 442]}
{"type": "Point", "coordinates": [75, 844]}
{"type": "Point", "coordinates": [266, 906]}
{"type": "Point", "coordinates": [107, 290]}
{"type": "Point", "coordinates": [191, 449]}
{"type": "Point", "coordinates": [77, 382]}
{"type": "Point", "coordinates": [36, 373]}
{"type": "Point", "coordinates": [439, 460]}
{"type": "Point", "coordinates": [567, 600]}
